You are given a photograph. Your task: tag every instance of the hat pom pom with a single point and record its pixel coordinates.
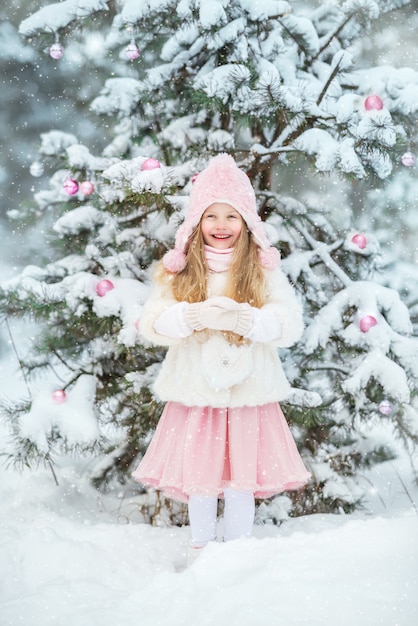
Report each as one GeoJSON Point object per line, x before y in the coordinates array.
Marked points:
{"type": "Point", "coordinates": [174, 261]}
{"type": "Point", "coordinates": [270, 258]}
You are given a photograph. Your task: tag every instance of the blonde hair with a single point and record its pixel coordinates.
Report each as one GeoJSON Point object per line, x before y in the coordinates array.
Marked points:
{"type": "Point", "coordinates": [246, 282]}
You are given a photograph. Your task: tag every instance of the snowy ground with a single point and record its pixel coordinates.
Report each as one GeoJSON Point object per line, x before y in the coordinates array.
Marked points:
{"type": "Point", "coordinates": [68, 558]}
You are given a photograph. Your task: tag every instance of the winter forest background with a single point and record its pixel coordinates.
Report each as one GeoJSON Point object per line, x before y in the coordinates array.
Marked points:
{"type": "Point", "coordinates": [318, 103]}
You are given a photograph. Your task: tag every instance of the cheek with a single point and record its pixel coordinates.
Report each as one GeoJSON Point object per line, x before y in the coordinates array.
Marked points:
{"type": "Point", "coordinates": [238, 229]}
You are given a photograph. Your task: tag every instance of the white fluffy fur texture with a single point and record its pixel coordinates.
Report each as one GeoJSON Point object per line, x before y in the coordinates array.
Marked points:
{"type": "Point", "coordinates": [181, 377]}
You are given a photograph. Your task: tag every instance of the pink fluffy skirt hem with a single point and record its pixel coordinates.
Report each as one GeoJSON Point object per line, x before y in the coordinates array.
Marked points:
{"type": "Point", "coordinates": [202, 450]}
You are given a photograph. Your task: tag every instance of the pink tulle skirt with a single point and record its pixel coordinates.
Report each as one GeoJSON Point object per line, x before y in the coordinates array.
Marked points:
{"type": "Point", "coordinates": [202, 450]}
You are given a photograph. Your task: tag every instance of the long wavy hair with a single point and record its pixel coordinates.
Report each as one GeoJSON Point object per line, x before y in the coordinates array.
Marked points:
{"type": "Point", "coordinates": [245, 283]}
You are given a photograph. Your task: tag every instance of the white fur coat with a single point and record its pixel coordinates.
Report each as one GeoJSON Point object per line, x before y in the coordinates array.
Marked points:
{"type": "Point", "coordinates": [205, 370]}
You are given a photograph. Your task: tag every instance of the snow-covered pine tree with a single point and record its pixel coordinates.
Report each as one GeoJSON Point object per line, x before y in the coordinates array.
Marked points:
{"type": "Point", "coordinates": [279, 89]}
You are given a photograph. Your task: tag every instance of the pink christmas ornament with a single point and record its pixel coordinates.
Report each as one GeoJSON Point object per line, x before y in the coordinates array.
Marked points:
{"type": "Point", "coordinates": [103, 286]}
{"type": "Point", "coordinates": [194, 177]}
{"type": "Point", "coordinates": [86, 187]}
{"type": "Point", "coordinates": [56, 51]}
{"type": "Point", "coordinates": [150, 164]}
{"type": "Point", "coordinates": [359, 240]}
{"type": "Point", "coordinates": [132, 51]}
{"type": "Point", "coordinates": [385, 407]}
{"type": "Point", "coordinates": [137, 324]}
{"type": "Point", "coordinates": [70, 186]}
{"type": "Point", "coordinates": [373, 103]}
{"type": "Point", "coordinates": [367, 322]}
{"type": "Point", "coordinates": [408, 159]}
{"type": "Point", "coordinates": [59, 396]}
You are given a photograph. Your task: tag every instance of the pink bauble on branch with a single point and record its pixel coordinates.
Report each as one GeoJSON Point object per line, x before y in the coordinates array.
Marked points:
{"type": "Point", "coordinates": [373, 103]}
{"type": "Point", "coordinates": [150, 164]}
{"type": "Point", "coordinates": [59, 396]}
{"type": "Point", "coordinates": [104, 286]}
{"type": "Point", "coordinates": [408, 159]}
{"type": "Point", "coordinates": [367, 322]}
{"type": "Point", "coordinates": [359, 240]}
{"type": "Point", "coordinates": [70, 186]}
{"type": "Point", "coordinates": [194, 177]}
{"type": "Point", "coordinates": [56, 51]}
{"type": "Point", "coordinates": [86, 187]}
{"type": "Point", "coordinates": [132, 51]}
{"type": "Point", "coordinates": [385, 407]}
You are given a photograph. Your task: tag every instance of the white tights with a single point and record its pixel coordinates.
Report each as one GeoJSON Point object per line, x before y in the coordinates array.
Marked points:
{"type": "Point", "coordinates": [238, 516]}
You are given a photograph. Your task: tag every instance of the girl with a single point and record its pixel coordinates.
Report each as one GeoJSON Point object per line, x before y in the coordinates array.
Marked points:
{"type": "Point", "coordinates": [222, 306]}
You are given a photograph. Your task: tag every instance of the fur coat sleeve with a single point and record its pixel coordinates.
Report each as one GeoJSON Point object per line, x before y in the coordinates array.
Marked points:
{"type": "Point", "coordinates": [284, 303]}
{"type": "Point", "coordinates": [160, 300]}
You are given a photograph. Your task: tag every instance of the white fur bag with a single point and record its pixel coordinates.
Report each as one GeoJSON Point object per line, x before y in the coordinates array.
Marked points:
{"type": "Point", "coordinates": [225, 364]}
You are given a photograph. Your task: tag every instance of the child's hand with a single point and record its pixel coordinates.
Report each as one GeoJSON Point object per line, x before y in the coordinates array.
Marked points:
{"type": "Point", "coordinates": [227, 304]}
{"type": "Point", "coordinates": [213, 314]}
{"type": "Point", "coordinates": [237, 320]}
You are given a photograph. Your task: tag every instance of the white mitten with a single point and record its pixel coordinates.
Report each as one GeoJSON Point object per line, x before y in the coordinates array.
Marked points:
{"type": "Point", "coordinates": [220, 313]}
{"type": "Point", "coordinates": [198, 315]}
{"type": "Point", "coordinates": [223, 302]}
{"type": "Point", "coordinates": [238, 320]}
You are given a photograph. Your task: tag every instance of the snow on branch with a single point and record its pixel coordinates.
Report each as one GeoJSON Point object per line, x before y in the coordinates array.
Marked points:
{"type": "Point", "coordinates": [303, 32]}
{"type": "Point", "coordinates": [406, 351]}
{"type": "Point", "coordinates": [133, 11]}
{"type": "Point", "coordinates": [79, 157]}
{"type": "Point", "coordinates": [212, 13]}
{"type": "Point", "coordinates": [185, 36]}
{"type": "Point", "coordinates": [54, 17]}
{"type": "Point", "coordinates": [377, 366]}
{"type": "Point", "coordinates": [377, 126]}
{"type": "Point", "coordinates": [75, 417]}
{"type": "Point", "coordinates": [303, 397]}
{"type": "Point", "coordinates": [128, 173]}
{"type": "Point", "coordinates": [222, 81]}
{"type": "Point", "coordinates": [230, 33]}
{"type": "Point", "coordinates": [82, 218]}
{"type": "Point", "coordinates": [266, 10]}
{"type": "Point", "coordinates": [398, 87]}
{"type": "Point", "coordinates": [320, 143]}
{"type": "Point", "coordinates": [363, 9]}
{"type": "Point", "coordinates": [366, 298]}
{"type": "Point", "coordinates": [119, 95]}
{"type": "Point", "coordinates": [56, 142]}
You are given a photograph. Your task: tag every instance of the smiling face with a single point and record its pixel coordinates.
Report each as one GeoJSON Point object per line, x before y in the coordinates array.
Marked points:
{"type": "Point", "coordinates": [221, 226]}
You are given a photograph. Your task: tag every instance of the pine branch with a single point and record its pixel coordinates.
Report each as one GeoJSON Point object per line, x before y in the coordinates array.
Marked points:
{"type": "Point", "coordinates": [19, 360]}
{"type": "Point", "coordinates": [329, 81]}
{"type": "Point", "coordinates": [322, 251]}
{"type": "Point", "coordinates": [331, 37]}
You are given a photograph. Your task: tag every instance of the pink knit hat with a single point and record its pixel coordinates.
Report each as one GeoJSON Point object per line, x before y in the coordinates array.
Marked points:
{"type": "Point", "coordinates": [221, 181]}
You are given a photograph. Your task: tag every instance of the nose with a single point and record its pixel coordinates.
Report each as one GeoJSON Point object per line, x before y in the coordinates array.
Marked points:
{"type": "Point", "coordinates": [220, 222]}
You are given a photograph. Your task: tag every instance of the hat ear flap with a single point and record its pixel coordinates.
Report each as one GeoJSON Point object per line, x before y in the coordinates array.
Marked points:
{"type": "Point", "coordinates": [270, 258]}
